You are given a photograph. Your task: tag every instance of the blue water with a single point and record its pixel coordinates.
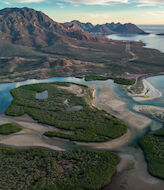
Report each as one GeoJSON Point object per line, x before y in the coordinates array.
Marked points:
{"type": "Point", "coordinates": [153, 29]}
{"type": "Point", "coordinates": [5, 88]}
{"type": "Point", "coordinates": [151, 41]}
{"type": "Point", "coordinates": [157, 81]}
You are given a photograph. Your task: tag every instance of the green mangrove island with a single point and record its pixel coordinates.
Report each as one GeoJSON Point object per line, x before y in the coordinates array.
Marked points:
{"type": "Point", "coordinates": [66, 106]}
{"type": "Point", "coordinates": [153, 147]}
{"type": "Point", "coordinates": [9, 128]}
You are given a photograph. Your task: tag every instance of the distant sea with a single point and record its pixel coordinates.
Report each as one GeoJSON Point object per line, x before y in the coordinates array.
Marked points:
{"type": "Point", "coordinates": [151, 41]}
{"type": "Point", "coordinates": [153, 29]}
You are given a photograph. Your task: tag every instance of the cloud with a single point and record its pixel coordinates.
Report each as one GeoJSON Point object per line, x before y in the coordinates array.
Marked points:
{"type": "Point", "coordinates": [157, 13]}
{"type": "Point", "coordinates": [91, 17]}
{"type": "Point", "coordinates": [22, 1]}
{"type": "Point", "coordinates": [143, 3]}
{"type": "Point", "coordinates": [95, 2]}
{"type": "Point", "coordinates": [61, 5]}
{"type": "Point", "coordinates": [140, 3]}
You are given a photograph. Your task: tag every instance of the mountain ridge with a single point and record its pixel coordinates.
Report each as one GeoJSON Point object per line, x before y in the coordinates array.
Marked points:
{"type": "Point", "coordinates": [108, 28]}
{"type": "Point", "coordinates": [25, 26]}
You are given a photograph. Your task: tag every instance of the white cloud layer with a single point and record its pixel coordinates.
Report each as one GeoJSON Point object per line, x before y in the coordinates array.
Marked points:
{"type": "Point", "coordinates": [150, 3]}
{"type": "Point", "coordinates": [96, 2]}
{"type": "Point", "coordinates": [140, 3]}
{"type": "Point", "coordinates": [21, 1]}
{"type": "Point", "coordinates": [107, 2]}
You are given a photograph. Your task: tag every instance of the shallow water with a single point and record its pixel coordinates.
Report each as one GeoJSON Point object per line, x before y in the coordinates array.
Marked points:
{"type": "Point", "coordinates": [42, 95]}
{"type": "Point", "coordinates": [133, 163]}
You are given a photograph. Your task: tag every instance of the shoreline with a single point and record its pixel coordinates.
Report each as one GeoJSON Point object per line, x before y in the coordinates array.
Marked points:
{"type": "Point", "coordinates": [149, 92]}
{"type": "Point", "coordinates": [145, 75]}
{"type": "Point", "coordinates": [29, 136]}
{"type": "Point", "coordinates": [155, 111]}
{"type": "Point", "coordinates": [108, 101]}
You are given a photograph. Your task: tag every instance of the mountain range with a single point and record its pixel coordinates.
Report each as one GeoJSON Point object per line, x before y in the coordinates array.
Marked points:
{"type": "Point", "coordinates": [107, 29]}
{"type": "Point", "coordinates": [33, 28]}
{"type": "Point", "coordinates": [32, 45]}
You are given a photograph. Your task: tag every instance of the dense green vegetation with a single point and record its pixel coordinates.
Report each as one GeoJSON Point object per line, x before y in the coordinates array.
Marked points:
{"type": "Point", "coordinates": [153, 147]}
{"type": "Point", "coordinates": [9, 128]}
{"type": "Point", "coordinates": [37, 169]}
{"type": "Point", "coordinates": [159, 132]}
{"type": "Point", "coordinates": [124, 81]}
{"type": "Point", "coordinates": [96, 77]}
{"type": "Point", "coordinates": [88, 124]}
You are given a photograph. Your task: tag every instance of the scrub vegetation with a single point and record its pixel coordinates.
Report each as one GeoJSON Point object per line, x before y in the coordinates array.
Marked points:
{"type": "Point", "coordinates": [86, 125]}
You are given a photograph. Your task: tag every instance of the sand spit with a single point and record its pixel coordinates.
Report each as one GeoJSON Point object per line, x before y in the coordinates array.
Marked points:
{"type": "Point", "coordinates": [155, 111]}
{"type": "Point", "coordinates": [113, 144]}
{"type": "Point", "coordinates": [149, 92]}
{"type": "Point", "coordinates": [107, 100]}
{"type": "Point", "coordinates": [30, 136]}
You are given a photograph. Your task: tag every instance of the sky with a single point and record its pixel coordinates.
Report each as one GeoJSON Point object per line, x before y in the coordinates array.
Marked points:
{"type": "Point", "coordinates": [96, 11]}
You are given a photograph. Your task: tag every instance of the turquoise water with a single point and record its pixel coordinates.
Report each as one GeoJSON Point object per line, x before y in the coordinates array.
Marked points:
{"type": "Point", "coordinates": [6, 97]}
{"type": "Point", "coordinates": [157, 81]}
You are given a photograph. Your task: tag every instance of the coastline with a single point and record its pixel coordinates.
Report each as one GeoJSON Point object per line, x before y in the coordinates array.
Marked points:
{"type": "Point", "coordinates": [29, 136]}
{"type": "Point", "coordinates": [154, 111]}
{"type": "Point", "coordinates": [107, 100]}
{"type": "Point", "coordinates": [149, 92]}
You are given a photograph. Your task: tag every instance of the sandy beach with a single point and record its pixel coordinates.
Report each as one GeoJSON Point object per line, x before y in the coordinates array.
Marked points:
{"type": "Point", "coordinates": [149, 92]}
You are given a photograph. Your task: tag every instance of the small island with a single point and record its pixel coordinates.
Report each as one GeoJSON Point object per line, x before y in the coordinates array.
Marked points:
{"type": "Point", "coordinates": [156, 112]}
{"type": "Point", "coordinates": [160, 34]}
{"type": "Point", "coordinates": [9, 128]}
{"type": "Point", "coordinates": [67, 107]}
{"type": "Point", "coordinates": [153, 147]}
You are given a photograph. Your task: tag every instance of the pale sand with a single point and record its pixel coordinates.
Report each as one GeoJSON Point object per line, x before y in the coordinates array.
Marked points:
{"type": "Point", "coordinates": [30, 136]}
{"type": "Point", "coordinates": [132, 173]}
{"type": "Point", "coordinates": [155, 111]}
{"type": "Point", "coordinates": [153, 93]}
{"type": "Point", "coordinates": [108, 101]}
{"type": "Point", "coordinates": [75, 89]}
{"type": "Point", "coordinates": [148, 108]}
